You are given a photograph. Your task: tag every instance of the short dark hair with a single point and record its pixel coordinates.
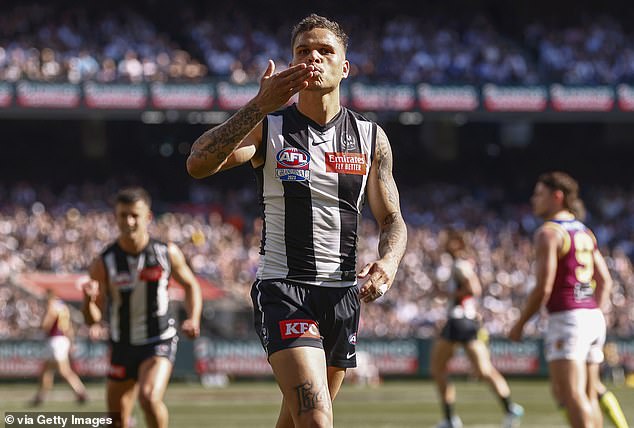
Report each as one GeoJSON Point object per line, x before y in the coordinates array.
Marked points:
{"type": "Point", "coordinates": [130, 195]}
{"type": "Point", "coordinates": [313, 21]}
{"type": "Point", "coordinates": [557, 180]}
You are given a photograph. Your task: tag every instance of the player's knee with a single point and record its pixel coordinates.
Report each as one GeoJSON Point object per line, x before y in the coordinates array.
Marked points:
{"type": "Point", "coordinates": [65, 371]}
{"type": "Point", "coordinates": [149, 398]}
{"type": "Point", "coordinates": [316, 419]}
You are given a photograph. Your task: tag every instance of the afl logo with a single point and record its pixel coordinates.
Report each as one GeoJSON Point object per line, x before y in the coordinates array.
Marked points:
{"type": "Point", "coordinates": [292, 165]}
{"type": "Point", "coordinates": [293, 158]}
{"type": "Point", "coordinates": [352, 339]}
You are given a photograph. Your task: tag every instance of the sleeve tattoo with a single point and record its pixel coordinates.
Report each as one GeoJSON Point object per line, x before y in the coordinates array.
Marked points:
{"type": "Point", "coordinates": [393, 237]}
{"type": "Point", "coordinates": [217, 144]}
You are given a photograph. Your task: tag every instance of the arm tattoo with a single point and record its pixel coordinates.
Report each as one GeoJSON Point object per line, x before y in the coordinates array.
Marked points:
{"type": "Point", "coordinates": [384, 161]}
{"type": "Point", "coordinates": [217, 144]}
{"type": "Point", "coordinates": [312, 398]}
{"type": "Point", "coordinates": [393, 237]}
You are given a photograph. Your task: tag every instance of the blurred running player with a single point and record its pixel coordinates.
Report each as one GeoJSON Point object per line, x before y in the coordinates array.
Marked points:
{"type": "Point", "coordinates": [133, 274]}
{"type": "Point", "coordinates": [57, 325]}
{"type": "Point", "coordinates": [462, 329]}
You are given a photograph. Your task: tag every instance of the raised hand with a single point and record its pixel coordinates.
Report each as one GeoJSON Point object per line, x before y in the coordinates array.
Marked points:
{"type": "Point", "coordinates": [277, 88]}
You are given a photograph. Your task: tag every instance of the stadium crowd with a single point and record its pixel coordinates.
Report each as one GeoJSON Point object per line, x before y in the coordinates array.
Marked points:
{"type": "Point", "coordinates": [219, 232]}
{"type": "Point", "coordinates": [43, 42]}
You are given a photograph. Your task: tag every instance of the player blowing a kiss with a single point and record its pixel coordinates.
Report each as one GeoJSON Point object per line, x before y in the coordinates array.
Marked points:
{"type": "Point", "coordinates": [316, 163]}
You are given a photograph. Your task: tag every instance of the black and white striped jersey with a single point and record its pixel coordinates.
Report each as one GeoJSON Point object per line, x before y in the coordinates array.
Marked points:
{"type": "Point", "coordinates": [312, 188]}
{"type": "Point", "coordinates": [138, 294]}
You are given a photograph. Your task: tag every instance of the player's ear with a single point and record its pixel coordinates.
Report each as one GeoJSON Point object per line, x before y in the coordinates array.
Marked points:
{"type": "Point", "coordinates": [346, 69]}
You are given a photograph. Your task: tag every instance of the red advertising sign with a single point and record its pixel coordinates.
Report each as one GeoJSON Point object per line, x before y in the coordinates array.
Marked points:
{"type": "Point", "coordinates": [382, 97]}
{"type": "Point", "coordinates": [233, 97]}
{"type": "Point", "coordinates": [448, 98]}
{"type": "Point", "coordinates": [524, 98]}
{"type": "Point", "coordinates": [25, 358]}
{"type": "Point", "coordinates": [6, 94]}
{"type": "Point", "coordinates": [509, 358]}
{"type": "Point", "coordinates": [392, 357]}
{"type": "Point", "coordinates": [58, 95]}
{"type": "Point", "coordinates": [588, 98]}
{"type": "Point", "coordinates": [115, 96]}
{"type": "Point", "coordinates": [190, 96]}
{"type": "Point", "coordinates": [238, 358]}
{"type": "Point", "coordinates": [625, 95]}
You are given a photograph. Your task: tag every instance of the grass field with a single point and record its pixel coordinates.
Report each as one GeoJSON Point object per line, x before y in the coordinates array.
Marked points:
{"type": "Point", "coordinates": [255, 404]}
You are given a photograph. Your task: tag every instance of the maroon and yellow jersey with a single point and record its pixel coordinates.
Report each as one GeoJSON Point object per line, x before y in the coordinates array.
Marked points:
{"type": "Point", "coordinates": [574, 282]}
{"type": "Point", "coordinates": [62, 320]}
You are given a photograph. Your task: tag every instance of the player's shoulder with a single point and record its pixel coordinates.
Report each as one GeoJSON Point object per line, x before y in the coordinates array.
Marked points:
{"type": "Point", "coordinates": [159, 242]}
{"type": "Point", "coordinates": [463, 268]}
{"type": "Point", "coordinates": [550, 234]}
{"type": "Point", "coordinates": [110, 248]}
{"type": "Point", "coordinates": [550, 227]}
{"type": "Point", "coordinates": [284, 111]}
{"type": "Point", "coordinates": [356, 115]}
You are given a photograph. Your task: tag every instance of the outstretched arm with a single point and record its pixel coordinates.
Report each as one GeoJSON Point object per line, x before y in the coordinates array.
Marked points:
{"type": "Point", "coordinates": [384, 202]}
{"type": "Point", "coordinates": [238, 139]}
{"type": "Point", "coordinates": [193, 300]}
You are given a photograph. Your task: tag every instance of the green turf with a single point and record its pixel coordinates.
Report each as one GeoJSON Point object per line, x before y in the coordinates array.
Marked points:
{"type": "Point", "coordinates": [255, 404]}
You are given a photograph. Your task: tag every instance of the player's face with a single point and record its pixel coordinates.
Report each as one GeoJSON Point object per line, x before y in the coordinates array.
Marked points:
{"type": "Point", "coordinates": [542, 200]}
{"type": "Point", "coordinates": [321, 48]}
{"type": "Point", "coordinates": [133, 219]}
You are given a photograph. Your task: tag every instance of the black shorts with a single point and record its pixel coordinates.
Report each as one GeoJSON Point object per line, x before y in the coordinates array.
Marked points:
{"type": "Point", "coordinates": [461, 330]}
{"type": "Point", "coordinates": [126, 359]}
{"type": "Point", "coordinates": [290, 314]}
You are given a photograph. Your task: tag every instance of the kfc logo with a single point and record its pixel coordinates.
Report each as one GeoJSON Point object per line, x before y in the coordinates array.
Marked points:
{"type": "Point", "coordinates": [291, 329]}
{"type": "Point", "coordinates": [116, 372]}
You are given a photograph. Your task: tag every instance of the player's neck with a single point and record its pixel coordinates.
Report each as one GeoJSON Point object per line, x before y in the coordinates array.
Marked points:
{"type": "Point", "coordinates": [561, 215]}
{"type": "Point", "coordinates": [320, 107]}
{"type": "Point", "coordinates": [134, 244]}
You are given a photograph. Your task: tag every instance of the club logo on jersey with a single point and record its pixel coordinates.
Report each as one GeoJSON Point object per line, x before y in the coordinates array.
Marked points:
{"type": "Point", "coordinates": [291, 329]}
{"type": "Point", "coordinates": [151, 273]}
{"type": "Point", "coordinates": [292, 165]}
{"type": "Point", "coordinates": [346, 163]}
{"type": "Point", "coordinates": [348, 143]}
{"type": "Point", "coordinates": [352, 339]}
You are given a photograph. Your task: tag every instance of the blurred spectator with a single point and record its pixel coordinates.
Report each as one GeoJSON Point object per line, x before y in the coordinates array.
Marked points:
{"type": "Point", "coordinates": [81, 42]}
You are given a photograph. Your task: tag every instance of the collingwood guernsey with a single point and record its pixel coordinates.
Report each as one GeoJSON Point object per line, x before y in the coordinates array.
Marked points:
{"type": "Point", "coordinates": [138, 294]}
{"type": "Point", "coordinates": [313, 179]}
